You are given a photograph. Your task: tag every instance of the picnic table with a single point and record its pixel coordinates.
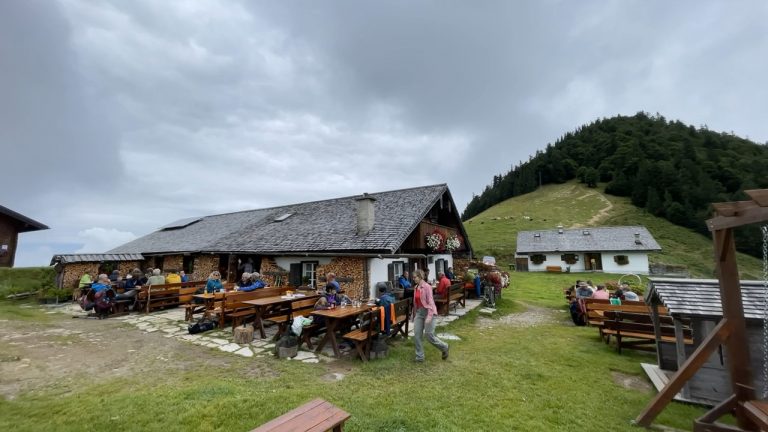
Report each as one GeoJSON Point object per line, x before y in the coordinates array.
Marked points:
{"type": "Point", "coordinates": [266, 304]}
{"type": "Point", "coordinates": [332, 319]}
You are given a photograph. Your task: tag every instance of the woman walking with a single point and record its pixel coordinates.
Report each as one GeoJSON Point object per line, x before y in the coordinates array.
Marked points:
{"type": "Point", "coordinates": [423, 322]}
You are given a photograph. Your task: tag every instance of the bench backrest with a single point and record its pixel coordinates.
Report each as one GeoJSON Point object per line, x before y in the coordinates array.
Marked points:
{"type": "Point", "coordinates": [456, 291]}
{"type": "Point", "coordinates": [234, 299]}
{"type": "Point", "coordinates": [186, 293]}
{"type": "Point", "coordinates": [303, 307]}
{"type": "Point", "coordinates": [402, 309]}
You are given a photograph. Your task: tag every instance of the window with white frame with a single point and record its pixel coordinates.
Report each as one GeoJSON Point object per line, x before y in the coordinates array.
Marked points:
{"type": "Point", "coordinates": [309, 273]}
{"type": "Point", "coordinates": [397, 268]}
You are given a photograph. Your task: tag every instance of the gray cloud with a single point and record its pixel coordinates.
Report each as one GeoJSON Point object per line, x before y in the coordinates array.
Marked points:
{"type": "Point", "coordinates": [121, 117]}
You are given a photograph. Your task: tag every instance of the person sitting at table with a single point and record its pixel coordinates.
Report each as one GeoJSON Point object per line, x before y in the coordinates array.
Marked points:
{"type": "Point", "coordinates": [601, 293]}
{"type": "Point", "coordinates": [628, 294]}
{"type": "Point", "coordinates": [130, 283]}
{"type": "Point", "coordinates": [214, 283]}
{"type": "Point", "coordinates": [156, 278]}
{"type": "Point", "coordinates": [583, 291]}
{"type": "Point", "coordinates": [385, 300]}
{"type": "Point", "coordinates": [184, 277]}
{"type": "Point", "coordinates": [449, 274]}
{"type": "Point", "coordinates": [331, 280]}
{"type": "Point", "coordinates": [114, 275]}
{"type": "Point", "coordinates": [404, 281]}
{"type": "Point", "coordinates": [245, 282]}
{"type": "Point", "coordinates": [443, 286]}
{"type": "Point", "coordinates": [173, 277]}
{"type": "Point", "coordinates": [139, 277]}
{"type": "Point", "coordinates": [85, 280]}
{"type": "Point", "coordinates": [256, 281]}
{"type": "Point", "coordinates": [102, 283]}
{"type": "Point", "coordinates": [334, 298]}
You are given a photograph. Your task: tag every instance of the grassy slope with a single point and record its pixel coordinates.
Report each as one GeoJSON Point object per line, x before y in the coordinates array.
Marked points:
{"type": "Point", "coordinates": [572, 204]}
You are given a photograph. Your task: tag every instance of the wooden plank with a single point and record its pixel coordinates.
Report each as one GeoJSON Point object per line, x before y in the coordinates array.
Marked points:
{"type": "Point", "coordinates": [746, 217]}
{"type": "Point", "coordinates": [757, 411]}
{"type": "Point", "coordinates": [733, 312]}
{"type": "Point", "coordinates": [732, 208]}
{"type": "Point", "coordinates": [760, 196]}
{"type": "Point", "coordinates": [694, 362]}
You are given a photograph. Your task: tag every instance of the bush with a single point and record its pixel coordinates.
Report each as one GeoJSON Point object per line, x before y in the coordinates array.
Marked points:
{"type": "Point", "coordinates": [26, 279]}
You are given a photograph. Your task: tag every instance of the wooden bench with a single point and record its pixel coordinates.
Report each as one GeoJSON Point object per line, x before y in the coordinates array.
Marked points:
{"type": "Point", "coordinates": [554, 269]}
{"type": "Point", "coordinates": [317, 415]}
{"type": "Point", "coordinates": [233, 307]}
{"type": "Point", "coordinates": [595, 309]}
{"type": "Point", "coordinates": [456, 296]}
{"type": "Point", "coordinates": [363, 336]}
{"type": "Point", "coordinates": [154, 297]}
{"type": "Point", "coordinates": [401, 319]}
{"type": "Point", "coordinates": [301, 308]}
{"type": "Point", "coordinates": [638, 327]}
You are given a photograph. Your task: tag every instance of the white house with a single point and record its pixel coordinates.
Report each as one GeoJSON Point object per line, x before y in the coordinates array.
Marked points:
{"type": "Point", "coordinates": [609, 249]}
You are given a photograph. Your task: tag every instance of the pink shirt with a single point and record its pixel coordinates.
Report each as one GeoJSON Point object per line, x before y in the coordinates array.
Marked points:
{"type": "Point", "coordinates": [601, 294]}
{"type": "Point", "coordinates": [426, 299]}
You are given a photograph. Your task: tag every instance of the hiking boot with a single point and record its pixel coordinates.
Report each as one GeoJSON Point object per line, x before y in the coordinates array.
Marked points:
{"type": "Point", "coordinates": [418, 360]}
{"type": "Point", "coordinates": [445, 354]}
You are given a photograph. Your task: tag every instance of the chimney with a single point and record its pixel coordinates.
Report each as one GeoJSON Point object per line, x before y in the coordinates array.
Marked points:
{"type": "Point", "coordinates": [637, 238]}
{"type": "Point", "coordinates": [559, 229]}
{"type": "Point", "coordinates": [365, 216]}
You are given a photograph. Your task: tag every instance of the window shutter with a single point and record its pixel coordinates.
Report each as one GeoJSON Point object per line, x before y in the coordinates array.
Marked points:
{"type": "Point", "coordinates": [295, 276]}
{"type": "Point", "coordinates": [407, 267]}
{"type": "Point", "coordinates": [390, 272]}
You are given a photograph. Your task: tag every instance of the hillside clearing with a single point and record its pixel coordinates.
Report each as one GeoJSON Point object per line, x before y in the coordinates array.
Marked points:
{"type": "Point", "coordinates": [494, 231]}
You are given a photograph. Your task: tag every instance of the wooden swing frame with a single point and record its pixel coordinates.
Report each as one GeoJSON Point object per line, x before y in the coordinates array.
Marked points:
{"type": "Point", "coordinates": [731, 331]}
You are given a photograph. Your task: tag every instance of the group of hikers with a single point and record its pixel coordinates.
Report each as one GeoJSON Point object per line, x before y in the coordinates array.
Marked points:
{"type": "Point", "coordinates": [586, 290]}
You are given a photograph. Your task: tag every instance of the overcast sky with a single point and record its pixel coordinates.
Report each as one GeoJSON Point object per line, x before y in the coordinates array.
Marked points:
{"type": "Point", "coordinates": [118, 117]}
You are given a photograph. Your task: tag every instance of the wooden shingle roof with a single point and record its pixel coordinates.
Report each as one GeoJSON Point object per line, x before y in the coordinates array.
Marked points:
{"type": "Point", "coordinates": [701, 297]}
{"type": "Point", "coordinates": [318, 226]}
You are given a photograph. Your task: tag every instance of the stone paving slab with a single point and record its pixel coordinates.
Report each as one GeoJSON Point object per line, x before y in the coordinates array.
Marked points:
{"type": "Point", "coordinates": [172, 325]}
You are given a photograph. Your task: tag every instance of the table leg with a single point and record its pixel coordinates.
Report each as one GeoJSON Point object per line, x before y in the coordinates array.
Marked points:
{"type": "Point", "coordinates": [330, 335]}
{"type": "Point", "coordinates": [258, 321]}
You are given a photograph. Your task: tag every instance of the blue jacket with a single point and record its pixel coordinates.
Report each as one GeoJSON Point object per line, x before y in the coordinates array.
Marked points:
{"type": "Point", "coordinates": [213, 285]}
{"type": "Point", "coordinates": [254, 286]}
{"type": "Point", "coordinates": [404, 282]}
{"type": "Point", "coordinates": [335, 285]}
{"type": "Point", "coordinates": [385, 301]}
{"type": "Point", "coordinates": [99, 286]}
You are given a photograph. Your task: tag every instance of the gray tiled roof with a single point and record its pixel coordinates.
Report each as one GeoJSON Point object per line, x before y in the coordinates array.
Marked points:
{"type": "Point", "coordinates": [319, 226]}
{"type": "Point", "coordinates": [598, 239]}
{"type": "Point", "coordinates": [701, 297]}
{"type": "Point", "coordinates": [73, 258]}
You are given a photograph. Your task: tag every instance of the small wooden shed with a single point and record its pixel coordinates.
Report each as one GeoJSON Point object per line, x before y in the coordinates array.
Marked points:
{"type": "Point", "coordinates": [696, 302]}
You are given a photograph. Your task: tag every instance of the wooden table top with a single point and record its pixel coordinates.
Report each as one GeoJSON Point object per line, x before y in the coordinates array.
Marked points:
{"type": "Point", "coordinates": [343, 312]}
{"type": "Point", "coordinates": [264, 301]}
{"type": "Point", "coordinates": [208, 295]}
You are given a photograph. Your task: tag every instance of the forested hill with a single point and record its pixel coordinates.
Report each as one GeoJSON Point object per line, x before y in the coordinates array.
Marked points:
{"type": "Point", "coordinates": [671, 169]}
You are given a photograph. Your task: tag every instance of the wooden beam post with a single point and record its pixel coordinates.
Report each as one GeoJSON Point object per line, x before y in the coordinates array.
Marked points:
{"type": "Point", "coordinates": [683, 374]}
{"type": "Point", "coordinates": [733, 312]}
{"type": "Point", "coordinates": [680, 349]}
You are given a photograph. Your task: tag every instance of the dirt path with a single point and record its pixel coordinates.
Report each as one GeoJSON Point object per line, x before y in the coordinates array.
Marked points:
{"type": "Point", "coordinates": [599, 216]}
{"type": "Point", "coordinates": [532, 317]}
{"type": "Point", "coordinates": [63, 353]}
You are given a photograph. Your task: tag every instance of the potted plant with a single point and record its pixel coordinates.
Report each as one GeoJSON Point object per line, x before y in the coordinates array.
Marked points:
{"type": "Point", "coordinates": [436, 241]}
